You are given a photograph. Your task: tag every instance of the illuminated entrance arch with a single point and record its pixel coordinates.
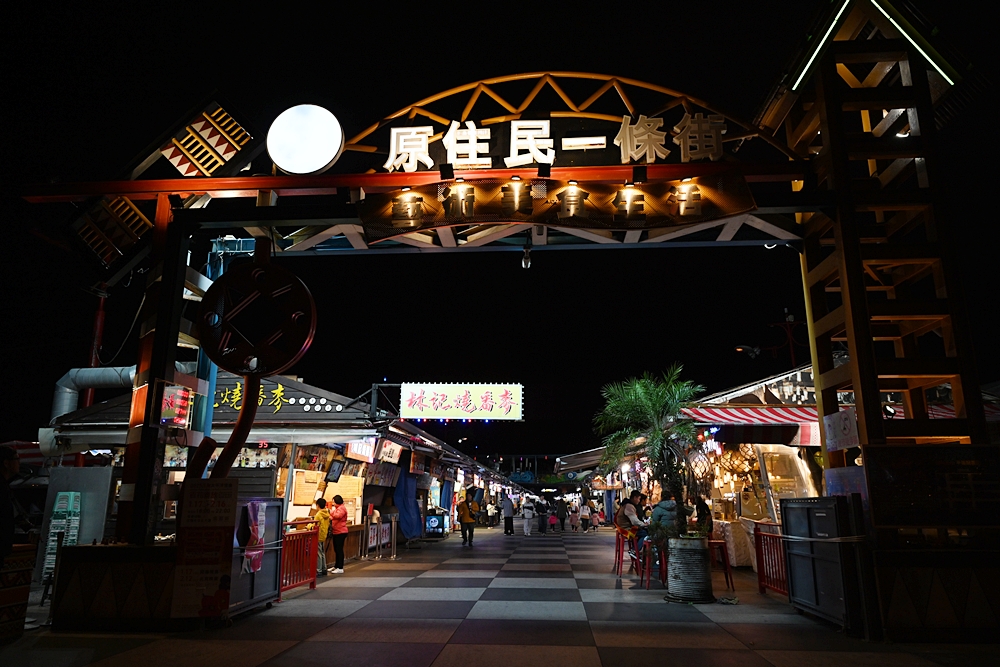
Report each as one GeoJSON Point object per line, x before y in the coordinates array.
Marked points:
{"type": "Point", "coordinates": [840, 163]}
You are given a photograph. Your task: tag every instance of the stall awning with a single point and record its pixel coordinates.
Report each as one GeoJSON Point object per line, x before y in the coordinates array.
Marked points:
{"type": "Point", "coordinates": [579, 461]}
{"type": "Point", "coordinates": [800, 414]}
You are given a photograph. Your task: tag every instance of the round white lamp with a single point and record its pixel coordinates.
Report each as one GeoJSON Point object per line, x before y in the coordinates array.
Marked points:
{"type": "Point", "coordinates": [305, 139]}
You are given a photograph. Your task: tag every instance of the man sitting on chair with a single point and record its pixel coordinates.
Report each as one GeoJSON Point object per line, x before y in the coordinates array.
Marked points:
{"type": "Point", "coordinates": [627, 519]}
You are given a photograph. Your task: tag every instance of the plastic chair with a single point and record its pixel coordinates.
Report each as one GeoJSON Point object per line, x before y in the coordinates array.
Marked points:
{"type": "Point", "coordinates": [625, 540]}
{"type": "Point", "coordinates": [718, 547]}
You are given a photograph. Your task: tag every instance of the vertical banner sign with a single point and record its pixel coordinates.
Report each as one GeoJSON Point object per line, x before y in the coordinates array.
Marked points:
{"type": "Point", "coordinates": [841, 430]}
{"type": "Point", "coordinates": [253, 555]}
{"type": "Point", "coordinates": [426, 400]}
{"type": "Point", "coordinates": [205, 549]}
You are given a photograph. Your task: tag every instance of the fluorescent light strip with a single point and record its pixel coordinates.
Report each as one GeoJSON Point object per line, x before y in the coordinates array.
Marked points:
{"type": "Point", "coordinates": [819, 47]}
{"type": "Point", "coordinates": [915, 45]}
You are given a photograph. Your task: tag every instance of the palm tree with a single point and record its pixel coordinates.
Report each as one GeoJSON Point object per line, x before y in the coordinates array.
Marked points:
{"type": "Point", "coordinates": [642, 416]}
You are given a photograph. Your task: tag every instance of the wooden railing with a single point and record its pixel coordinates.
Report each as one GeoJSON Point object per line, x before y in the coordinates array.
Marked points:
{"type": "Point", "coordinates": [771, 570]}
{"type": "Point", "coordinates": [299, 549]}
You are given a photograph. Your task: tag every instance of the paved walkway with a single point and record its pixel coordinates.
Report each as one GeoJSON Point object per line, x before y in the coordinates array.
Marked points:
{"type": "Point", "coordinates": [508, 602]}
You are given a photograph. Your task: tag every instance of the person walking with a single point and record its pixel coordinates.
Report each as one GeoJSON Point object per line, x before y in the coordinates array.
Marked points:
{"type": "Point", "coordinates": [508, 515]}
{"type": "Point", "coordinates": [585, 516]}
{"type": "Point", "coordinates": [338, 526]}
{"type": "Point", "coordinates": [561, 513]}
{"type": "Point", "coordinates": [528, 510]}
{"type": "Point", "coordinates": [323, 522]}
{"type": "Point", "coordinates": [574, 518]}
{"type": "Point", "coordinates": [543, 516]}
{"type": "Point", "coordinates": [467, 511]}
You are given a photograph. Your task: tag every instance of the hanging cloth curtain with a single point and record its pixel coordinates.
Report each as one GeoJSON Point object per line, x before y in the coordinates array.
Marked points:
{"type": "Point", "coordinates": [447, 491]}
{"type": "Point", "coordinates": [405, 497]}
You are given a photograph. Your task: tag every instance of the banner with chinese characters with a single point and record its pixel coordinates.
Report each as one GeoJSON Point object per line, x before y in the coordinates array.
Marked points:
{"type": "Point", "coordinates": [461, 401]}
{"type": "Point", "coordinates": [281, 400]}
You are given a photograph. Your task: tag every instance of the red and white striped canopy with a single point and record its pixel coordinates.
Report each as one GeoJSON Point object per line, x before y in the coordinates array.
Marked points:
{"type": "Point", "coordinates": [801, 414]}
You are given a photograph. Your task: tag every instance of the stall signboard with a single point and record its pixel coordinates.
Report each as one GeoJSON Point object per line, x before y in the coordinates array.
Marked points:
{"type": "Point", "coordinates": [464, 401]}
{"type": "Point", "coordinates": [437, 469]}
{"type": "Point", "coordinates": [459, 476]}
{"type": "Point", "coordinates": [388, 451]}
{"type": "Point", "coordinates": [418, 464]}
{"type": "Point", "coordinates": [361, 450]}
{"type": "Point", "coordinates": [382, 474]}
{"type": "Point", "coordinates": [841, 430]}
{"type": "Point", "coordinates": [450, 474]}
{"type": "Point", "coordinates": [205, 549]}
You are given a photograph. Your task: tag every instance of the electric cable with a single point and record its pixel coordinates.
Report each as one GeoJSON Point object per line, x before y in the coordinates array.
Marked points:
{"type": "Point", "coordinates": [125, 340]}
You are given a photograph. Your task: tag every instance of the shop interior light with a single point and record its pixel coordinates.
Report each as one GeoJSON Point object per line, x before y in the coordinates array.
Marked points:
{"type": "Point", "coordinates": [305, 139]}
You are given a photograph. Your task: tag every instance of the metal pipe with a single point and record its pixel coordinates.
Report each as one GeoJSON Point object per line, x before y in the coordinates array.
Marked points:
{"type": "Point", "coordinates": [393, 518]}
{"type": "Point", "coordinates": [66, 398]}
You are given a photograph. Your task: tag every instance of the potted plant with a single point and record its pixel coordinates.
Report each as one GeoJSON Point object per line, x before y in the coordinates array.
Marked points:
{"type": "Point", "coordinates": [642, 418]}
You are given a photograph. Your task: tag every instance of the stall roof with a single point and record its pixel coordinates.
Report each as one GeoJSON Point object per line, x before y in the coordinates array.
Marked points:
{"type": "Point", "coordinates": [579, 461]}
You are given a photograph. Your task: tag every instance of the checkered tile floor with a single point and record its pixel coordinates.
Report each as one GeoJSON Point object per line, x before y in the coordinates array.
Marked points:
{"type": "Point", "coordinates": [548, 600]}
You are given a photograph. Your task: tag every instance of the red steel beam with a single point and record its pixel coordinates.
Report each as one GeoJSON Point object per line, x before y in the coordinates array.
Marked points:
{"type": "Point", "coordinates": [326, 184]}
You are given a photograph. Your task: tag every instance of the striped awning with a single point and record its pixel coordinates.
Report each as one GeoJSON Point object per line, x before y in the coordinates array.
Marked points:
{"type": "Point", "coordinates": [801, 414]}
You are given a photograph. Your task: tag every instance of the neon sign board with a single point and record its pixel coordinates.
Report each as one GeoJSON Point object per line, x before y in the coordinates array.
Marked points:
{"type": "Point", "coordinates": [461, 401]}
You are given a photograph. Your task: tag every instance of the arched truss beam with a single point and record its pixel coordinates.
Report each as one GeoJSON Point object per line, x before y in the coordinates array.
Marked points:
{"type": "Point", "coordinates": [619, 85]}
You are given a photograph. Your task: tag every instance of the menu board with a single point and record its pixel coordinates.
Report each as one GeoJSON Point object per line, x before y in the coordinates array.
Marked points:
{"type": "Point", "coordinates": [205, 549]}
{"type": "Point", "coordinates": [382, 474]}
{"type": "Point", "coordinates": [306, 485]}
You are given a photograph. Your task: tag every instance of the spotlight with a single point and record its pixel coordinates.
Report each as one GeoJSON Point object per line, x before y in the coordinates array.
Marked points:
{"type": "Point", "coordinates": [460, 180]}
{"type": "Point", "coordinates": [770, 246]}
{"type": "Point", "coordinates": [573, 183]}
{"type": "Point", "coordinates": [515, 177]}
{"type": "Point", "coordinates": [405, 188]}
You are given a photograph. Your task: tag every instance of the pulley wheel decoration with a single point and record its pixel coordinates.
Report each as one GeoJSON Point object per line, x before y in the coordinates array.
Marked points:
{"type": "Point", "coordinates": [257, 319]}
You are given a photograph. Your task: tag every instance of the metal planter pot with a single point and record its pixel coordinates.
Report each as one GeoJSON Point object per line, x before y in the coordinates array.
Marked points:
{"type": "Point", "coordinates": [689, 570]}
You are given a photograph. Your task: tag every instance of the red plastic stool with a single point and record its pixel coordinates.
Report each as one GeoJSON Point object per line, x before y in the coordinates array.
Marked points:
{"type": "Point", "coordinates": [719, 547]}
{"type": "Point", "coordinates": [625, 540]}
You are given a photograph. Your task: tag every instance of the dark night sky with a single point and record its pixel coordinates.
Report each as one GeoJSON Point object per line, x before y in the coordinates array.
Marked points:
{"type": "Point", "coordinates": [85, 90]}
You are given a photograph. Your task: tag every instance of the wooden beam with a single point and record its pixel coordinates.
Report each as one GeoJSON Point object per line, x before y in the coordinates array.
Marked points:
{"type": "Point", "coordinates": [447, 237]}
{"type": "Point", "coordinates": [595, 235]}
{"type": "Point", "coordinates": [774, 229]}
{"type": "Point", "coordinates": [671, 233]}
{"type": "Point", "coordinates": [730, 228]}
{"type": "Point", "coordinates": [417, 240]}
{"type": "Point", "coordinates": [493, 234]}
